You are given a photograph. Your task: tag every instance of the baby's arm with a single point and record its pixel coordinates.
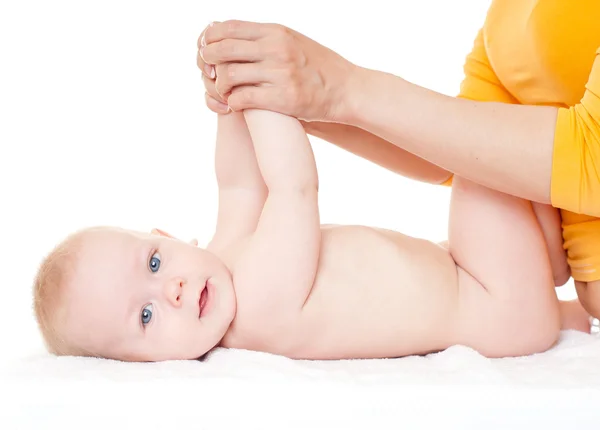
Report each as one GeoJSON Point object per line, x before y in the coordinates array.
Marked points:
{"type": "Point", "coordinates": [278, 269]}
{"type": "Point", "coordinates": [242, 191]}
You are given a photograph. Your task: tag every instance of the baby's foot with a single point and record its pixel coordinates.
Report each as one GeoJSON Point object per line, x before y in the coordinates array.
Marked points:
{"type": "Point", "coordinates": [573, 316]}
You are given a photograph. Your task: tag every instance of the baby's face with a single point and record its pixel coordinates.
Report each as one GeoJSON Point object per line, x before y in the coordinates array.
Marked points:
{"type": "Point", "coordinates": [145, 297]}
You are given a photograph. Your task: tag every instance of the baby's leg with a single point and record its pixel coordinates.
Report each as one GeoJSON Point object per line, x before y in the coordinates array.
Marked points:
{"type": "Point", "coordinates": [550, 223]}
{"type": "Point", "coordinates": [572, 315]}
{"type": "Point", "coordinates": [507, 303]}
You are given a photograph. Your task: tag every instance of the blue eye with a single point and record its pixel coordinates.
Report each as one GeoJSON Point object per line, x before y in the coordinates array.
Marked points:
{"type": "Point", "coordinates": [154, 263]}
{"type": "Point", "coordinates": [146, 314]}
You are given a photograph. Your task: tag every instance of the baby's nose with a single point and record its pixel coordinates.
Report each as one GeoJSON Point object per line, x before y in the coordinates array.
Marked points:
{"type": "Point", "coordinates": [173, 290]}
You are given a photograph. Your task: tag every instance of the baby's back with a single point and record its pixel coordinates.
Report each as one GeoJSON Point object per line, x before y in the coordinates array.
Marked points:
{"type": "Point", "coordinates": [371, 298]}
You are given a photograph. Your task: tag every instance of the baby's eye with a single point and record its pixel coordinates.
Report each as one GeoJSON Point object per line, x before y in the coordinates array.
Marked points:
{"type": "Point", "coordinates": [154, 262]}
{"type": "Point", "coordinates": [146, 314]}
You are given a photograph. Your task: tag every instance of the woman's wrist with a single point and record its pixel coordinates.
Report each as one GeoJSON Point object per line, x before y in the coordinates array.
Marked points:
{"type": "Point", "coordinates": [361, 91]}
{"type": "Point", "coordinates": [351, 94]}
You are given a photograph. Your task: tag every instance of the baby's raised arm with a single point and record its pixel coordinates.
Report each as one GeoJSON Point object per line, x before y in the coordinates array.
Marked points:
{"type": "Point", "coordinates": [278, 269]}
{"type": "Point", "coordinates": [242, 191]}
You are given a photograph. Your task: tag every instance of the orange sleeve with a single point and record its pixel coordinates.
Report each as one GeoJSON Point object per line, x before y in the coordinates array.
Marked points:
{"type": "Point", "coordinates": [480, 82]}
{"type": "Point", "coordinates": [581, 235]}
{"type": "Point", "coordinates": [575, 183]}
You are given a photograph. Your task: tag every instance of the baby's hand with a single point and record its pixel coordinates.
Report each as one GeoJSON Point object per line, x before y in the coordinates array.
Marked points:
{"type": "Point", "coordinates": [155, 231]}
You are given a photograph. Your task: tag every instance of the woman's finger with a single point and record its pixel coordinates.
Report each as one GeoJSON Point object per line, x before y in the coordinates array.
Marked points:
{"type": "Point", "coordinates": [216, 106]}
{"type": "Point", "coordinates": [210, 87]}
{"type": "Point", "coordinates": [202, 38]}
{"type": "Point", "coordinates": [251, 97]}
{"type": "Point", "coordinates": [231, 75]}
{"type": "Point", "coordinates": [207, 69]}
{"type": "Point", "coordinates": [230, 50]}
{"type": "Point", "coordinates": [235, 29]}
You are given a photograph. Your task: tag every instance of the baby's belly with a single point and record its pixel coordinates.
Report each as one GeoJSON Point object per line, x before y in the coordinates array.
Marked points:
{"type": "Point", "coordinates": [372, 296]}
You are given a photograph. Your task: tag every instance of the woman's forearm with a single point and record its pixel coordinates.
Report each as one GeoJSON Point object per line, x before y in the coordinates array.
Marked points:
{"type": "Point", "coordinates": [378, 151]}
{"type": "Point", "coordinates": [504, 147]}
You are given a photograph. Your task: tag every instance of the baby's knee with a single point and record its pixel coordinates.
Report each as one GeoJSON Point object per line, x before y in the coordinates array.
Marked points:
{"type": "Point", "coordinates": [540, 333]}
{"type": "Point", "coordinates": [529, 331]}
{"type": "Point", "coordinates": [512, 320]}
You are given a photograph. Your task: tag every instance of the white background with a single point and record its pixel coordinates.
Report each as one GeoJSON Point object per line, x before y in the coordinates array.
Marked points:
{"type": "Point", "coordinates": [102, 121]}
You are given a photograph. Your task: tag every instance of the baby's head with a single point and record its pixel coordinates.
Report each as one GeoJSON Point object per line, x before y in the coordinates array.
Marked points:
{"type": "Point", "coordinates": [113, 293]}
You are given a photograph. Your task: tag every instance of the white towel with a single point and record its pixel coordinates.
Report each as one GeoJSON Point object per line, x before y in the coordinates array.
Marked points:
{"type": "Point", "coordinates": [457, 388]}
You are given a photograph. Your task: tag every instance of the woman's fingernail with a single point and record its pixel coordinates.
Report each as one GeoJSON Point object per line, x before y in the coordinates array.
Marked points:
{"type": "Point", "coordinates": [216, 104]}
{"type": "Point", "coordinates": [209, 70]}
{"type": "Point", "coordinates": [203, 41]}
{"type": "Point", "coordinates": [212, 72]}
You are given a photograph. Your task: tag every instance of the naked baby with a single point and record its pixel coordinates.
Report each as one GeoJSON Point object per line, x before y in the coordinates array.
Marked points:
{"type": "Point", "coordinates": [274, 279]}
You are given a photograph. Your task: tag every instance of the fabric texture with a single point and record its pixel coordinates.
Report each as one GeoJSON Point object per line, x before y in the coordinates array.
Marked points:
{"type": "Point", "coordinates": [457, 388]}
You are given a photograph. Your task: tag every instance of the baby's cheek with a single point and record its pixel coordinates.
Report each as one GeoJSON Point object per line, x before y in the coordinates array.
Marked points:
{"type": "Point", "coordinates": [178, 328]}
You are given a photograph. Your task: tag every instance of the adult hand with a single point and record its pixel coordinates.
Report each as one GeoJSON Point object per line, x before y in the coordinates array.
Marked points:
{"type": "Point", "coordinates": [213, 99]}
{"type": "Point", "coordinates": [271, 67]}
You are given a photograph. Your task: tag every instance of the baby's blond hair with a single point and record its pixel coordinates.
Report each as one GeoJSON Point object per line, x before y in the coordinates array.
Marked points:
{"type": "Point", "coordinates": [55, 272]}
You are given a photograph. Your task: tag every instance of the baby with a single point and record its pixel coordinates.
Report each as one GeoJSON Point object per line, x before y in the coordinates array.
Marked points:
{"type": "Point", "coordinates": [274, 279]}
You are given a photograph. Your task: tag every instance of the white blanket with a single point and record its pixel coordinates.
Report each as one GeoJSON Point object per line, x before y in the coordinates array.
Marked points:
{"type": "Point", "coordinates": [457, 388]}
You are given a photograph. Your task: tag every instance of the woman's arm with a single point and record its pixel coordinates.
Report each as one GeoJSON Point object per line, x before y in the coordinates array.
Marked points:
{"type": "Point", "coordinates": [378, 151]}
{"type": "Point", "coordinates": [502, 146]}
{"type": "Point", "coordinates": [540, 153]}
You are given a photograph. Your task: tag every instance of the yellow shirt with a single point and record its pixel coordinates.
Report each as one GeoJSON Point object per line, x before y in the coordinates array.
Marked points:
{"type": "Point", "coordinates": [547, 52]}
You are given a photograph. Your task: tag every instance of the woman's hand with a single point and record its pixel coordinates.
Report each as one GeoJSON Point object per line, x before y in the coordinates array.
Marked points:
{"type": "Point", "coordinates": [271, 67]}
{"type": "Point", "coordinates": [213, 100]}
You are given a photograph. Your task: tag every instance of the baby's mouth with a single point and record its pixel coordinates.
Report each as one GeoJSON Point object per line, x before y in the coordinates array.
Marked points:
{"type": "Point", "coordinates": [203, 299]}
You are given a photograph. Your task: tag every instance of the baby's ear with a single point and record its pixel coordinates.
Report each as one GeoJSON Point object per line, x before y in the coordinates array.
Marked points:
{"type": "Point", "coordinates": [157, 232]}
